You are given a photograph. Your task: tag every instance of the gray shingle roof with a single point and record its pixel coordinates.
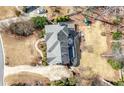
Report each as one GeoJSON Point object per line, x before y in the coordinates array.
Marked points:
{"type": "Point", "coordinates": [57, 37]}
{"type": "Point", "coordinates": [54, 34]}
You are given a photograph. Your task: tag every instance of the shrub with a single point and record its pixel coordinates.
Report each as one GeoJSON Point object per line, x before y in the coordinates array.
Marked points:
{"type": "Point", "coordinates": [44, 59]}
{"type": "Point", "coordinates": [118, 83]}
{"type": "Point", "coordinates": [20, 84]}
{"type": "Point", "coordinates": [44, 62]}
{"type": "Point", "coordinates": [62, 19]}
{"type": "Point", "coordinates": [18, 13]}
{"type": "Point", "coordinates": [117, 20]}
{"type": "Point", "coordinates": [117, 35]}
{"type": "Point", "coordinates": [39, 22]}
{"type": "Point", "coordinates": [22, 28]}
{"type": "Point", "coordinates": [115, 64]}
{"type": "Point", "coordinates": [65, 82]}
{"type": "Point", "coordinates": [116, 46]}
{"type": "Point", "coordinates": [72, 81]}
{"type": "Point", "coordinates": [41, 34]}
{"type": "Point", "coordinates": [7, 63]}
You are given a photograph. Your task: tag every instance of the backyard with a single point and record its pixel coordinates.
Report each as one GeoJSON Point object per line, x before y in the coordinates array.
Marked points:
{"type": "Point", "coordinates": [95, 44]}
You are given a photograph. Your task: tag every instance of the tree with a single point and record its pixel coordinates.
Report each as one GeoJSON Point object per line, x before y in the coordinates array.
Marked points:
{"type": "Point", "coordinates": [40, 22]}
{"type": "Point", "coordinates": [25, 28]}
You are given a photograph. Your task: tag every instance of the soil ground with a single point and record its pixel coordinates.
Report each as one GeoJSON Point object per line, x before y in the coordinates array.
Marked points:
{"type": "Point", "coordinates": [26, 77]}
{"type": "Point", "coordinates": [95, 45]}
{"type": "Point", "coordinates": [19, 51]}
{"type": "Point", "coordinates": [56, 11]}
{"type": "Point", "coordinates": [7, 12]}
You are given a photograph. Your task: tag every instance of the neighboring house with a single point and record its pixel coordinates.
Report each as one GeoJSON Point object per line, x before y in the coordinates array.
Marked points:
{"type": "Point", "coordinates": [35, 9]}
{"type": "Point", "coordinates": [32, 10]}
{"type": "Point", "coordinates": [63, 44]}
{"type": "Point", "coordinates": [29, 9]}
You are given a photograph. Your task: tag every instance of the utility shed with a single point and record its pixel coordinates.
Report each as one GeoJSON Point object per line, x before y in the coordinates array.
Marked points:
{"type": "Point", "coordinates": [62, 44]}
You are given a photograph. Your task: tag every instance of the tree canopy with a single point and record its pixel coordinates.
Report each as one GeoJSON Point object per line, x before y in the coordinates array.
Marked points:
{"type": "Point", "coordinates": [39, 22]}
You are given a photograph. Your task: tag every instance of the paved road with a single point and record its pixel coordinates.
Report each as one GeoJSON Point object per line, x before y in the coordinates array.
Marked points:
{"type": "Point", "coordinates": [1, 64]}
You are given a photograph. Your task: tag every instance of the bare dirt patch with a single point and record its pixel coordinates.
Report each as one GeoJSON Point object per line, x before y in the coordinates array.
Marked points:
{"type": "Point", "coordinates": [7, 12]}
{"type": "Point", "coordinates": [93, 59]}
{"type": "Point", "coordinates": [55, 11]}
{"type": "Point", "coordinates": [19, 50]}
{"type": "Point", "coordinates": [27, 78]}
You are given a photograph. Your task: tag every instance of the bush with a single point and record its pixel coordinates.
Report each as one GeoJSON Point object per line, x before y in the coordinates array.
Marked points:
{"type": "Point", "coordinates": [44, 59]}
{"type": "Point", "coordinates": [72, 81]}
{"type": "Point", "coordinates": [22, 28]}
{"type": "Point", "coordinates": [115, 64]}
{"type": "Point", "coordinates": [117, 20]}
{"type": "Point", "coordinates": [41, 34]}
{"type": "Point", "coordinates": [18, 13]}
{"type": "Point", "coordinates": [118, 83]}
{"type": "Point", "coordinates": [65, 82]}
{"type": "Point", "coordinates": [116, 46]}
{"type": "Point", "coordinates": [62, 19]}
{"type": "Point", "coordinates": [39, 22]}
{"type": "Point", "coordinates": [117, 35]}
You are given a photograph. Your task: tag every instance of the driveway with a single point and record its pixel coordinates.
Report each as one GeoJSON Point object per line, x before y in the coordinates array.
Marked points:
{"type": "Point", "coordinates": [1, 63]}
{"type": "Point", "coordinates": [53, 72]}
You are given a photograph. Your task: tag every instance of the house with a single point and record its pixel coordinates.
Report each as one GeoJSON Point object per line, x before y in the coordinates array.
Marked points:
{"type": "Point", "coordinates": [29, 9]}
{"type": "Point", "coordinates": [63, 44]}
{"type": "Point", "coordinates": [34, 11]}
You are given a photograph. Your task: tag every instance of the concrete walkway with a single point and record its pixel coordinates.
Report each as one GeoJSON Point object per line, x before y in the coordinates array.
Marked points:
{"type": "Point", "coordinates": [36, 47]}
